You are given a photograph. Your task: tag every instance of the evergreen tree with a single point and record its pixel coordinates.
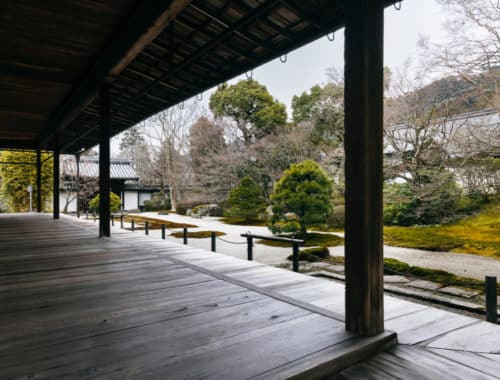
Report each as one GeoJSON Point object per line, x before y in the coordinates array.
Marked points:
{"type": "Point", "coordinates": [304, 190]}
{"type": "Point", "coordinates": [246, 200]}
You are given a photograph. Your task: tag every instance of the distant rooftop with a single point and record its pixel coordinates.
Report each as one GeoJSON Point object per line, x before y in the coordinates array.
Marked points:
{"type": "Point", "coordinates": [120, 168]}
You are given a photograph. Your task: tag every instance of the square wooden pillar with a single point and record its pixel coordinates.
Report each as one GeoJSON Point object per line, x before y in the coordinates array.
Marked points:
{"type": "Point", "coordinates": [363, 167]}
{"type": "Point", "coordinates": [38, 180]}
{"type": "Point", "coordinates": [104, 161]}
{"type": "Point", "coordinates": [55, 181]}
{"type": "Point", "coordinates": [77, 159]}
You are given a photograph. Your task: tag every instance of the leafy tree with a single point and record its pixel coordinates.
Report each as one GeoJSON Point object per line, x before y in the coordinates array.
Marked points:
{"type": "Point", "coordinates": [114, 202]}
{"type": "Point", "coordinates": [16, 178]}
{"type": "Point", "coordinates": [255, 112]}
{"type": "Point", "coordinates": [304, 190]}
{"type": "Point", "coordinates": [246, 200]}
{"type": "Point", "coordinates": [323, 110]}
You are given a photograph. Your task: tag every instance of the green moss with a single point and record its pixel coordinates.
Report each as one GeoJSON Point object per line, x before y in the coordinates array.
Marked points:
{"type": "Point", "coordinates": [197, 234]}
{"type": "Point", "coordinates": [312, 239]}
{"type": "Point", "coordinates": [154, 224]}
{"type": "Point", "coordinates": [312, 254]}
{"type": "Point", "coordinates": [241, 222]}
{"type": "Point", "coordinates": [478, 234]}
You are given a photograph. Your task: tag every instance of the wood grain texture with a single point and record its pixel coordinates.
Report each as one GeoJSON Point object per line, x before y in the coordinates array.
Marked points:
{"type": "Point", "coordinates": [131, 306]}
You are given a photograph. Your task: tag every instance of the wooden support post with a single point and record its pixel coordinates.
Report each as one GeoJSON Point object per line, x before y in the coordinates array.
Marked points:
{"type": "Point", "coordinates": [163, 231]}
{"type": "Point", "coordinates": [295, 257]}
{"type": "Point", "coordinates": [112, 220]}
{"type": "Point", "coordinates": [104, 161]}
{"type": "Point", "coordinates": [213, 236]}
{"type": "Point", "coordinates": [185, 235]}
{"type": "Point", "coordinates": [146, 228]}
{"type": "Point", "coordinates": [249, 248]}
{"type": "Point", "coordinates": [55, 190]}
{"type": "Point", "coordinates": [491, 299]}
{"type": "Point", "coordinates": [133, 225]}
{"type": "Point", "coordinates": [38, 180]}
{"type": "Point", "coordinates": [363, 166]}
{"type": "Point", "coordinates": [121, 221]}
{"type": "Point", "coordinates": [77, 159]}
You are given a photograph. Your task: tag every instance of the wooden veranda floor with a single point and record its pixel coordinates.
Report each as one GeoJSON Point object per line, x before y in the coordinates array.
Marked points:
{"type": "Point", "coordinates": [76, 306]}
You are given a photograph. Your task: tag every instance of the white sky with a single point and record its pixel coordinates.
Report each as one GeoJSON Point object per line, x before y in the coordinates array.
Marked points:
{"type": "Point", "coordinates": [307, 66]}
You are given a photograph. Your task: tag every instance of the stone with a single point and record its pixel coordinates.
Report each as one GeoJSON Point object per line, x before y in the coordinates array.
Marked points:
{"type": "Point", "coordinates": [426, 285]}
{"type": "Point", "coordinates": [396, 279]}
{"type": "Point", "coordinates": [459, 292]}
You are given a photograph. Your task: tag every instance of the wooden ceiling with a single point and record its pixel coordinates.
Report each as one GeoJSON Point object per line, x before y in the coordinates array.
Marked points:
{"type": "Point", "coordinates": [56, 53]}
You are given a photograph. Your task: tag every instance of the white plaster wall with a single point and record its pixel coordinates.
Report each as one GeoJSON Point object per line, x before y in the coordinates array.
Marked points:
{"type": "Point", "coordinates": [62, 201]}
{"type": "Point", "coordinates": [130, 201]}
{"type": "Point", "coordinates": [144, 197]}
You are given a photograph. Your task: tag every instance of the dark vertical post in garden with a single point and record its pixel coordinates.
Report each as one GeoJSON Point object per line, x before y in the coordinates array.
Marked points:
{"type": "Point", "coordinates": [295, 257]}
{"type": "Point", "coordinates": [249, 248]}
{"type": "Point", "coordinates": [121, 221]}
{"type": "Point", "coordinates": [363, 146]}
{"type": "Point", "coordinates": [163, 231]}
{"type": "Point", "coordinates": [146, 228]}
{"type": "Point", "coordinates": [38, 180]}
{"type": "Point", "coordinates": [491, 299]}
{"type": "Point", "coordinates": [112, 220]}
{"type": "Point", "coordinates": [213, 236]}
{"type": "Point", "coordinates": [185, 235]}
{"type": "Point", "coordinates": [55, 190]}
{"type": "Point", "coordinates": [77, 158]}
{"type": "Point", "coordinates": [104, 160]}
{"type": "Point", "coordinates": [132, 225]}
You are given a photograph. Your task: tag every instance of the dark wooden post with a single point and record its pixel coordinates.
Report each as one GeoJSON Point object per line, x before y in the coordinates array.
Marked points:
{"type": "Point", "coordinates": [55, 190]}
{"type": "Point", "coordinates": [295, 257]}
{"type": "Point", "coordinates": [112, 220]}
{"type": "Point", "coordinates": [38, 180]}
{"type": "Point", "coordinates": [133, 225]}
{"type": "Point", "coordinates": [77, 159]}
{"type": "Point", "coordinates": [491, 299]}
{"type": "Point", "coordinates": [213, 236]}
{"type": "Point", "coordinates": [185, 235]}
{"type": "Point", "coordinates": [363, 166]}
{"type": "Point", "coordinates": [249, 248]}
{"type": "Point", "coordinates": [104, 159]}
{"type": "Point", "coordinates": [163, 231]}
{"type": "Point", "coordinates": [146, 228]}
{"type": "Point", "coordinates": [121, 221]}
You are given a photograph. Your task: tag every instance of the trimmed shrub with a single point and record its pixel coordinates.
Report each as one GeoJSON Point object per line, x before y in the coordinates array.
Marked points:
{"type": "Point", "coordinates": [114, 202]}
{"type": "Point", "coordinates": [312, 254]}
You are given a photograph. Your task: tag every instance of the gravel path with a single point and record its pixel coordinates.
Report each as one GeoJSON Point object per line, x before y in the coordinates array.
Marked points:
{"type": "Point", "coordinates": [466, 265]}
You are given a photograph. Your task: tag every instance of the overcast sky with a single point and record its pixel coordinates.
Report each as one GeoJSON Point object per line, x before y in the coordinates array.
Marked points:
{"type": "Point", "coordinates": [307, 66]}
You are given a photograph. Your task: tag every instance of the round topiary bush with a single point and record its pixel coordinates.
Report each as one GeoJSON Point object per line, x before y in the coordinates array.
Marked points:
{"type": "Point", "coordinates": [114, 203]}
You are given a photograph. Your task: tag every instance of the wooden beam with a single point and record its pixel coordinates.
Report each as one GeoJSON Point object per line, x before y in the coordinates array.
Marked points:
{"type": "Point", "coordinates": [363, 167]}
{"type": "Point", "coordinates": [38, 180]}
{"type": "Point", "coordinates": [55, 181]}
{"type": "Point", "coordinates": [77, 159]}
{"type": "Point", "coordinates": [146, 23]}
{"type": "Point", "coordinates": [104, 162]}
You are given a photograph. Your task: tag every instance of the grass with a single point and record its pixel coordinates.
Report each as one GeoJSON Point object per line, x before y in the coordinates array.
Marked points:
{"type": "Point", "coordinates": [478, 234]}
{"type": "Point", "coordinates": [312, 239]}
{"type": "Point", "coordinates": [154, 224]}
{"type": "Point", "coordinates": [197, 234]}
{"type": "Point", "coordinates": [243, 222]}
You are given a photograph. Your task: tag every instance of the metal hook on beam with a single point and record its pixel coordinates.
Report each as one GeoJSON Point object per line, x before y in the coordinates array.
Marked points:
{"type": "Point", "coordinates": [331, 36]}
{"type": "Point", "coordinates": [249, 74]}
{"type": "Point", "coordinates": [397, 5]}
{"type": "Point", "coordinates": [283, 58]}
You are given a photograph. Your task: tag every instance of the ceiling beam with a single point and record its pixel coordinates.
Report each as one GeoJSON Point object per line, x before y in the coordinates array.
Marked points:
{"type": "Point", "coordinates": [144, 26]}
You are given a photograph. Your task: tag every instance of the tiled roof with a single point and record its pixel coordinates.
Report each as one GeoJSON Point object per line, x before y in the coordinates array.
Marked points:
{"type": "Point", "coordinates": [89, 167]}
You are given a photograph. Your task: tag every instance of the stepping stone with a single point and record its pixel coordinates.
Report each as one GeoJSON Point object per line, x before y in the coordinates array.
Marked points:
{"type": "Point", "coordinates": [459, 292]}
{"type": "Point", "coordinates": [396, 279]}
{"type": "Point", "coordinates": [426, 285]}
